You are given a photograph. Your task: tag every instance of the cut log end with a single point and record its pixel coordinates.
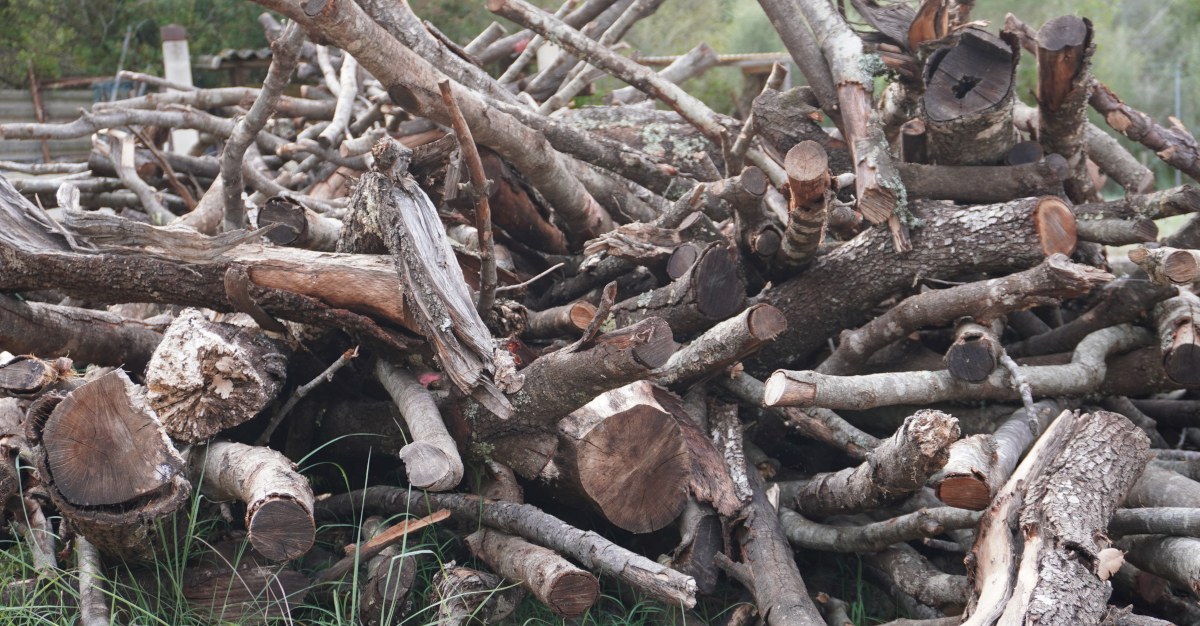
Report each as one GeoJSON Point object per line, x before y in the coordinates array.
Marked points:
{"type": "Point", "coordinates": [629, 465]}
{"type": "Point", "coordinates": [658, 346]}
{"type": "Point", "coordinates": [719, 292]}
{"type": "Point", "coordinates": [26, 375]}
{"type": "Point", "coordinates": [1180, 266]}
{"type": "Point", "coordinates": [1055, 226]}
{"type": "Point", "coordinates": [682, 259]}
{"type": "Point", "coordinates": [754, 181]}
{"type": "Point", "coordinates": [573, 593]}
{"type": "Point", "coordinates": [427, 465]}
{"type": "Point", "coordinates": [783, 391]}
{"type": "Point", "coordinates": [282, 211]}
{"type": "Point", "coordinates": [282, 529]}
{"type": "Point", "coordinates": [971, 361]}
{"type": "Point", "coordinates": [807, 167]}
{"type": "Point", "coordinates": [964, 492]}
{"type": "Point", "coordinates": [581, 314]}
{"type": "Point", "coordinates": [104, 445]}
{"type": "Point", "coordinates": [766, 321]}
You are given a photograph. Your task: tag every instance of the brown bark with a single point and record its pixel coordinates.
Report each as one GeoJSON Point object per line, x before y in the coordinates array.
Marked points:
{"type": "Point", "coordinates": [917, 577]}
{"type": "Point", "coordinates": [967, 106]}
{"type": "Point", "coordinates": [1177, 333]}
{"type": "Point", "coordinates": [860, 275]}
{"type": "Point", "coordinates": [757, 229]}
{"type": "Point", "coordinates": [1054, 278]}
{"type": "Point", "coordinates": [807, 167]}
{"type": "Point", "coordinates": [108, 466]}
{"type": "Point", "coordinates": [710, 291]}
{"type": "Point", "coordinates": [206, 377]}
{"type": "Point", "coordinates": [722, 345]}
{"type": "Point", "coordinates": [515, 211]}
{"type": "Point", "coordinates": [302, 227]}
{"type": "Point", "coordinates": [897, 468]}
{"type": "Point", "coordinates": [790, 117]}
{"type": "Point", "coordinates": [1064, 83]}
{"type": "Point", "coordinates": [985, 183]}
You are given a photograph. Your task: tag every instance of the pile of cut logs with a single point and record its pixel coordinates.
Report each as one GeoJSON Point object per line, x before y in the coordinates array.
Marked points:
{"type": "Point", "coordinates": [469, 289]}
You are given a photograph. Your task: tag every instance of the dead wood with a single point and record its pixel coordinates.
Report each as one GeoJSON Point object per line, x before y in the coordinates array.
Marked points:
{"type": "Point", "coordinates": [974, 354]}
{"type": "Point", "coordinates": [708, 292]}
{"type": "Point", "coordinates": [588, 549]}
{"type": "Point", "coordinates": [1118, 232]}
{"type": "Point", "coordinates": [1167, 265]}
{"type": "Point", "coordinates": [986, 301]}
{"type": "Point", "coordinates": [1113, 159]}
{"type": "Point", "coordinates": [1122, 405]}
{"type": "Point", "coordinates": [979, 465]}
{"type": "Point", "coordinates": [806, 534]}
{"type": "Point", "coordinates": [1177, 332]}
{"type": "Point", "coordinates": [790, 117]}
{"type": "Point", "coordinates": [806, 53]}
{"type": "Point", "coordinates": [985, 183]}
{"type": "Point", "coordinates": [389, 579]}
{"type": "Point", "coordinates": [1122, 300]}
{"type": "Point", "coordinates": [93, 605]}
{"type": "Point", "coordinates": [1083, 375]}
{"type": "Point", "coordinates": [302, 227]}
{"type": "Point", "coordinates": [465, 595]}
{"type": "Point", "coordinates": [206, 377]}
{"type": "Point", "coordinates": [1154, 205]}
{"type": "Point", "coordinates": [1064, 84]}
{"type": "Point", "coordinates": [87, 336]}
{"type": "Point", "coordinates": [431, 458]}
{"type": "Point", "coordinates": [809, 195]}
{"type": "Point", "coordinates": [1066, 557]}
{"type": "Point", "coordinates": [692, 64]}
{"type": "Point", "coordinates": [967, 105]}
{"type": "Point", "coordinates": [1160, 487]}
{"type": "Point", "coordinates": [917, 577]}
{"type": "Point", "coordinates": [108, 465]}
{"type": "Point", "coordinates": [1176, 559]}
{"type": "Point", "coordinates": [564, 588]}
{"type": "Point", "coordinates": [1174, 145]}
{"type": "Point", "coordinates": [279, 501]}
{"type": "Point", "coordinates": [862, 274]}
{"type": "Point", "coordinates": [1173, 521]}
{"type": "Point", "coordinates": [894, 469]}
{"type": "Point", "coordinates": [722, 346]}
{"type": "Point", "coordinates": [567, 320]}
{"type": "Point", "coordinates": [773, 576]}
{"type": "Point", "coordinates": [285, 54]}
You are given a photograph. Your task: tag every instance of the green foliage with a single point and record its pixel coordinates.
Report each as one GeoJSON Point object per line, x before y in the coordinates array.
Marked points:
{"type": "Point", "coordinates": [85, 37]}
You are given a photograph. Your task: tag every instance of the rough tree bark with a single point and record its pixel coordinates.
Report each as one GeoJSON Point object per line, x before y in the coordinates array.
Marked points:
{"type": "Point", "coordinates": [88, 336]}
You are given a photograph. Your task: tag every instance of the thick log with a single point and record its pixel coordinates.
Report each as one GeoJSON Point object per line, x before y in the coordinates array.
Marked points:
{"type": "Point", "coordinates": [1160, 487]}
{"type": "Point", "coordinates": [206, 377]}
{"type": "Point", "coordinates": [1064, 83]}
{"type": "Point", "coordinates": [1120, 301]}
{"type": "Point", "coordinates": [722, 345]}
{"type": "Point", "coordinates": [279, 501]}
{"type": "Point", "coordinates": [560, 382]}
{"type": "Point", "coordinates": [985, 183]}
{"type": "Point", "coordinates": [515, 211]}
{"type": "Point", "coordinates": [431, 458]}
{"type": "Point", "coordinates": [917, 577]}
{"type": "Point", "coordinates": [1083, 375]}
{"type": "Point", "coordinates": [979, 465]}
{"type": "Point", "coordinates": [986, 301]}
{"type": "Point", "coordinates": [1176, 559]}
{"type": "Point", "coordinates": [109, 466]}
{"type": "Point", "coordinates": [88, 336]}
{"type": "Point", "coordinates": [1167, 265]}
{"type": "Point", "coordinates": [588, 549]}
{"type": "Point", "coordinates": [1173, 521]}
{"type": "Point", "coordinates": [1118, 232]}
{"type": "Point", "coordinates": [709, 292]}
{"type": "Point", "coordinates": [967, 106]}
{"type": "Point", "coordinates": [302, 227]}
{"type": "Point", "coordinates": [1171, 413]}
{"type": "Point", "coordinates": [809, 535]}
{"type": "Point", "coordinates": [774, 578]}
{"type": "Point", "coordinates": [1067, 509]}
{"type": "Point", "coordinates": [564, 588]}
{"type": "Point", "coordinates": [1122, 405]}
{"type": "Point", "coordinates": [807, 167]}
{"type": "Point", "coordinates": [632, 454]}
{"type": "Point", "coordinates": [860, 274]}
{"type": "Point", "coordinates": [894, 469]}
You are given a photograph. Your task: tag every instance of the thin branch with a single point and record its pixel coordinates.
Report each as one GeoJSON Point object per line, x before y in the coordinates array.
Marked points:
{"type": "Point", "coordinates": [302, 391]}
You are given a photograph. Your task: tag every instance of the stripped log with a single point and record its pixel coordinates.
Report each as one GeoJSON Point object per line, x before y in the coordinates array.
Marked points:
{"type": "Point", "coordinates": [206, 377]}
{"type": "Point", "coordinates": [431, 458]}
{"type": "Point", "coordinates": [279, 501]}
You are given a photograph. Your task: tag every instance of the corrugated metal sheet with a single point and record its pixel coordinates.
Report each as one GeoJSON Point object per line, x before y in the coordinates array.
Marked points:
{"type": "Point", "coordinates": [16, 105]}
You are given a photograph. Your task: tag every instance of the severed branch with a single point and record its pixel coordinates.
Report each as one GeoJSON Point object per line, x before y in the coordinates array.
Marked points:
{"type": "Point", "coordinates": [1166, 265]}
{"type": "Point", "coordinates": [809, 535]}
{"type": "Point", "coordinates": [1174, 145]}
{"type": "Point", "coordinates": [301, 391]}
{"type": "Point", "coordinates": [86, 335]}
{"type": "Point", "coordinates": [431, 459]}
{"type": "Point", "coordinates": [477, 190]}
{"type": "Point", "coordinates": [347, 93]}
{"type": "Point", "coordinates": [286, 52]}
{"type": "Point", "coordinates": [809, 197]}
{"type": "Point", "coordinates": [736, 153]}
{"type": "Point", "coordinates": [120, 151]}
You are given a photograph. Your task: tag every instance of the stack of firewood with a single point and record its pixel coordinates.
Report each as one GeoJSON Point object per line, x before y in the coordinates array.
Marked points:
{"type": "Point", "coordinates": [510, 298]}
